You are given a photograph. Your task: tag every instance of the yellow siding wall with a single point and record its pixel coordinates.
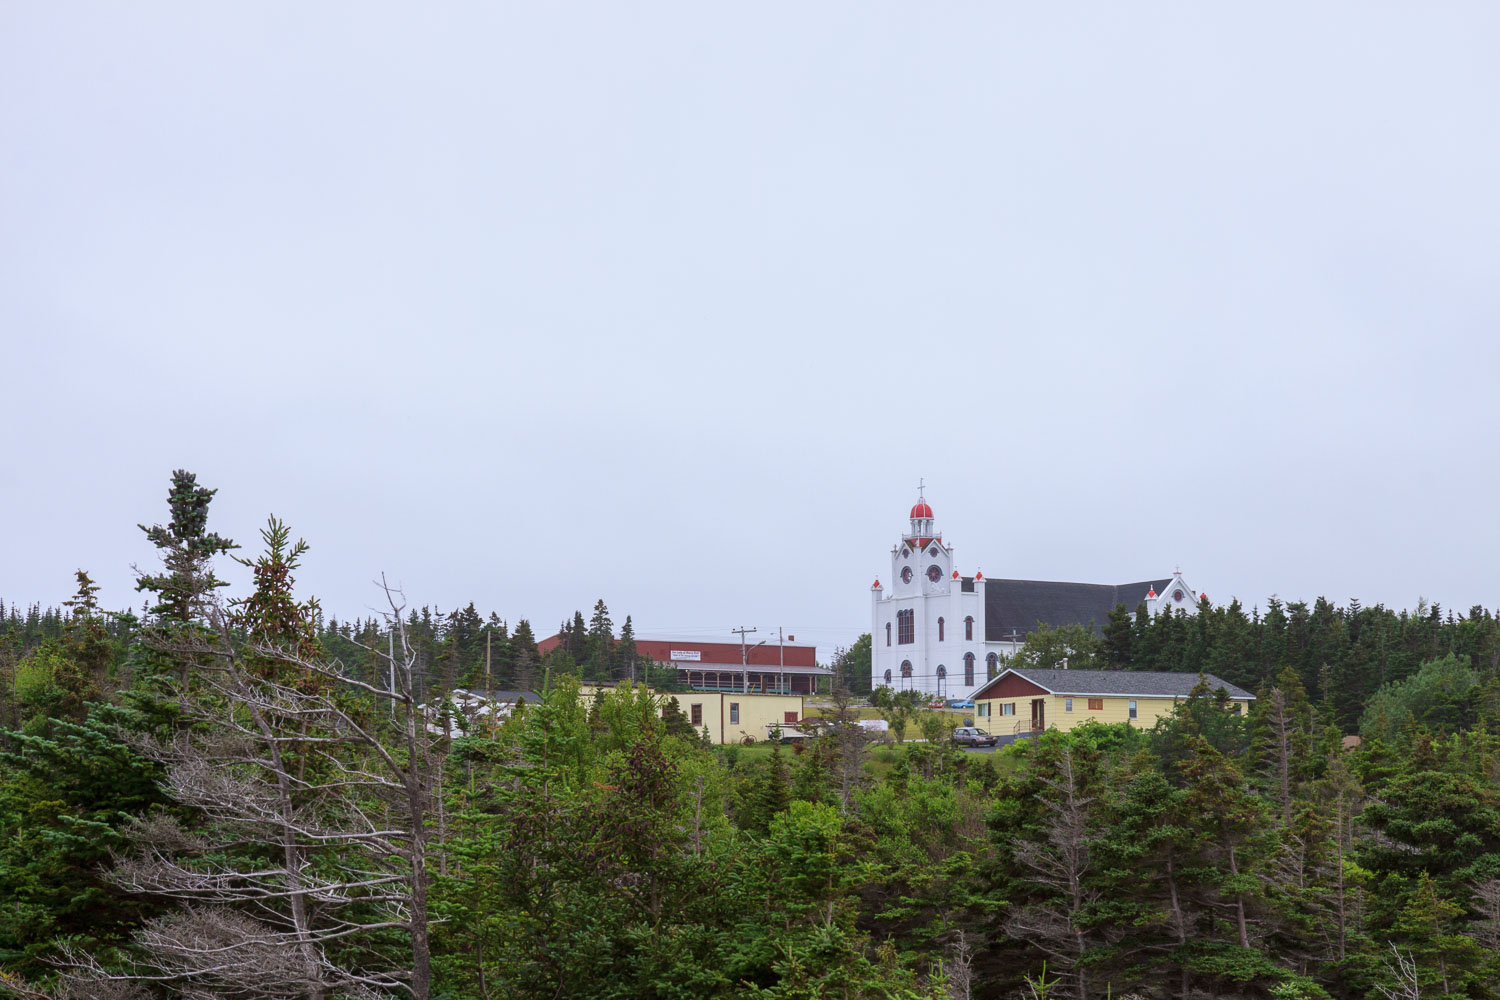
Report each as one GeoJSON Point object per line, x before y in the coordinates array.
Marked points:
{"type": "Point", "coordinates": [1148, 710]}
{"type": "Point", "coordinates": [755, 711]}
{"type": "Point", "coordinates": [708, 703]}
{"type": "Point", "coordinates": [1116, 709]}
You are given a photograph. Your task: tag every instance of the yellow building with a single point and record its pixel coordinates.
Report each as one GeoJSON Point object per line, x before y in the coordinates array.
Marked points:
{"type": "Point", "coordinates": [731, 716]}
{"type": "Point", "coordinates": [1021, 701]}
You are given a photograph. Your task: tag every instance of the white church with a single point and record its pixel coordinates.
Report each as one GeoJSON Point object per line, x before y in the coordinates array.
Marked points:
{"type": "Point", "coordinates": [938, 631]}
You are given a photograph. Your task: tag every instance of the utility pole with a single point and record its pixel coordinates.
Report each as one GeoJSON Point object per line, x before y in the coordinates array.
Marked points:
{"type": "Point", "coordinates": [489, 687]}
{"type": "Point", "coordinates": [744, 662]}
{"type": "Point", "coordinates": [781, 641]}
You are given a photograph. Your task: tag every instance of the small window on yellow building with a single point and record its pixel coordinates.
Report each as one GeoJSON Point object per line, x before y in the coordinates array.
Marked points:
{"type": "Point", "coordinates": [1067, 704]}
{"type": "Point", "coordinates": [734, 712]}
{"type": "Point", "coordinates": [1132, 708]}
{"type": "Point", "coordinates": [1009, 708]}
{"type": "Point", "coordinates": [1096, 704]}
{"type": "Point", "coordinates": [697, 716]}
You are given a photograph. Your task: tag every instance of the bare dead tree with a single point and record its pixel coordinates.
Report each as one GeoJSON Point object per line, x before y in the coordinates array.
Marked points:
{"type": "Point", "coordinates": [334, 775]}
{"type": "Point", "coordinates": [960, 968]}
{"type": "Point", "coordinates": [14, 987]}
{"type": "Point", "coordinates": [1060, 864]}
{"type": "Point", "coordinates": [1405, 983]}
{"type": "Point", "coordinates": [1280, 726]}
{"type": "Point", "coordinates": [1487, 926]}
{"type": "Point", "coordinates": [847, 739]}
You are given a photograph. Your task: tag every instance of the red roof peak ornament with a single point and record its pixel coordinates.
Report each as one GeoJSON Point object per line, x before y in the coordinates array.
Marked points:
{"type": "Point", "coordinates": [978, 575]}
{"type": "Point", "coordinates": [1203, 596]}
{"type": "Point", "coordinates": [876, 585]}
{"type": "Point", "coordinates": [955, 574]}
{"type": "Point", "coordinates": [1151, 593]}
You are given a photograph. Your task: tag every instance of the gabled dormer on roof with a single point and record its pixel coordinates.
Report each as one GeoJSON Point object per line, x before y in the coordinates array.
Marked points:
{"type": "Point", "coordinates": [1174, 595]}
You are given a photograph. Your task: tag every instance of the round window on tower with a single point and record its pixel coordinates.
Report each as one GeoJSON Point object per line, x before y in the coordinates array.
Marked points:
{"type": "Point", "coordinates": [1176, 595]}
{"type": "Point", "coordinates": [906, 574]}
{"type": "Point", "coordinates": [934, 574]}
{"type": "Point", "coordinates": [932, 552]}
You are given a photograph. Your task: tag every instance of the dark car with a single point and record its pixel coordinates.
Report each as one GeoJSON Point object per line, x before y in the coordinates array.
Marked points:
{"type": "Point", "coordinates": [969, 736]}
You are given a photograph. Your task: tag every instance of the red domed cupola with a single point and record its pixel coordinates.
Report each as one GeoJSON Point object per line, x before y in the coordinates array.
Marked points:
{"type": "Point", "coordinates": [921, 522]}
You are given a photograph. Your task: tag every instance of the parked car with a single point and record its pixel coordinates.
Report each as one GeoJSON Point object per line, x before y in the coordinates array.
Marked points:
{"type": "Point", "coordinates": [960, 702]}
{"type": "Point", "coordinates": [971, 736]}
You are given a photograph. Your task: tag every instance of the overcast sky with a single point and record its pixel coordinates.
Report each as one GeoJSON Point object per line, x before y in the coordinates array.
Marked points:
{"type": "Point", "coordinates": [673, 305]}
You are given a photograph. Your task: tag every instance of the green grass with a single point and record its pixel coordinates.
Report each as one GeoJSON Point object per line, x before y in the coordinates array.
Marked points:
{"type": "Point", "coordinates": [954, 716]}
{"type": "Point", "coordinates": [880, 758]}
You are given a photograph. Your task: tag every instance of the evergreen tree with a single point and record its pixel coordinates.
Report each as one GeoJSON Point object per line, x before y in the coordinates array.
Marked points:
{"type": "Point", "coordinates": [626, 657]}
{"type": "Point", "coordinates": [769, 793]}
{"type": "Point", "coordinates": [851, 667]}
{"type": "Point", "coordinates": [576, 638]}
{"type": "Point", "coordinates": [271, 615]}
{"type": "Point", "coordinates": [1117, 650]}
{"type": "Point", "coordinates": [67, 789]}
{"type": "Point", "coordinates": [601, 638]}
{"type": "Point", "coordinates": [84, 603]}
{"type": "Point", "coordinates": [524, 655]}
{"type": "Point", "coordinates": [187, 549]}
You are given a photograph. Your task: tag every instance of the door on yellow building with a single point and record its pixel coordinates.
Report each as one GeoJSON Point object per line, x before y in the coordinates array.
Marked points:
{"type": "Point", "coordinates": [1038, 714]}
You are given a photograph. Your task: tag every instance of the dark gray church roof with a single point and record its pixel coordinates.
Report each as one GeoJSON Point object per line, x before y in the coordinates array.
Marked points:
{"type": "Point", "coordinates": [1141, 683]}
{"type": "Point", "coordinates": [1014, 607]}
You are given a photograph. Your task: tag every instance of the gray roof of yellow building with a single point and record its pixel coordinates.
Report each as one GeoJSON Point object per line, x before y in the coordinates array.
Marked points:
{"type": "Point", "coordinates": [1121, 683]}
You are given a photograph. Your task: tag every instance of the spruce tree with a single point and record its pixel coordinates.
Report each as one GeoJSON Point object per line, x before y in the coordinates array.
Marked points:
{"type": "Point", "coordinates": [601, 637]}
{"type": "Point", "coordinates": [524, 656]}
{"type": "Point", "coordinates": [84, 602]}
{"type": "Point", "coordinates": [625, 651]}
{"type": "Point", "coordinates": [184, 589]}
{"type": "Point", "coordinates": [1118, 639]}
{"type": "Point", "coordinates": [271, 615]}
{"type": "Point", "coordinates": [187, 549]}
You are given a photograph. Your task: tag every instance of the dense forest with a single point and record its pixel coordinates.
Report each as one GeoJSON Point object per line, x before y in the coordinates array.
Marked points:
{"type": "Point", "coordinates": [235, 796]}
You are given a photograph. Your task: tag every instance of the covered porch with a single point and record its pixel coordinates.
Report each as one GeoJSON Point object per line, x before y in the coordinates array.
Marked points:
{"type": "Point", "coordinates": [755, 680]}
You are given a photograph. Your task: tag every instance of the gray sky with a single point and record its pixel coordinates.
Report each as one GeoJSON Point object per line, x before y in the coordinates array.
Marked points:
{"type": "Point", "coordinates": [674, 304]}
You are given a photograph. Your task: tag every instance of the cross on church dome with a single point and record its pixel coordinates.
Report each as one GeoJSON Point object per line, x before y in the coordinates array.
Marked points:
{"type": "Point", "coordinates": [920, 509]}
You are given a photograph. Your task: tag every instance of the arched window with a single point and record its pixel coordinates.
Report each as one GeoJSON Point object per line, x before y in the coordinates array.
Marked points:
{"type": "Point", "coordinates": [969, 629]}
{"type": "Point", "coordinates": [968, 670]}
{"type": "Point", "coordinates": [906, 627]}
{"type": "Point", "coordinates": [905, 668]}
{"type": "Point", "coordinates": [992, 665]}
{"type": "Point", "coordinates": [888, 677]}
{"type": "Point", "coordinates": [940, 630]}
{"type": "Point", "coordinates": [942, 678]}
{"type": "Point", "coordinates": [887, 633]}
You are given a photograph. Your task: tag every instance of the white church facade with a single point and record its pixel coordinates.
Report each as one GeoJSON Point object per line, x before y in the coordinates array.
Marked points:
{"type": "Point", "coordinates": [936, 630]}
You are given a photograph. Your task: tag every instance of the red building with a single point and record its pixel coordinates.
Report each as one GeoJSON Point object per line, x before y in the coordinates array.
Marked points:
{"type": "Point", "coordinates": [771, 667]}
